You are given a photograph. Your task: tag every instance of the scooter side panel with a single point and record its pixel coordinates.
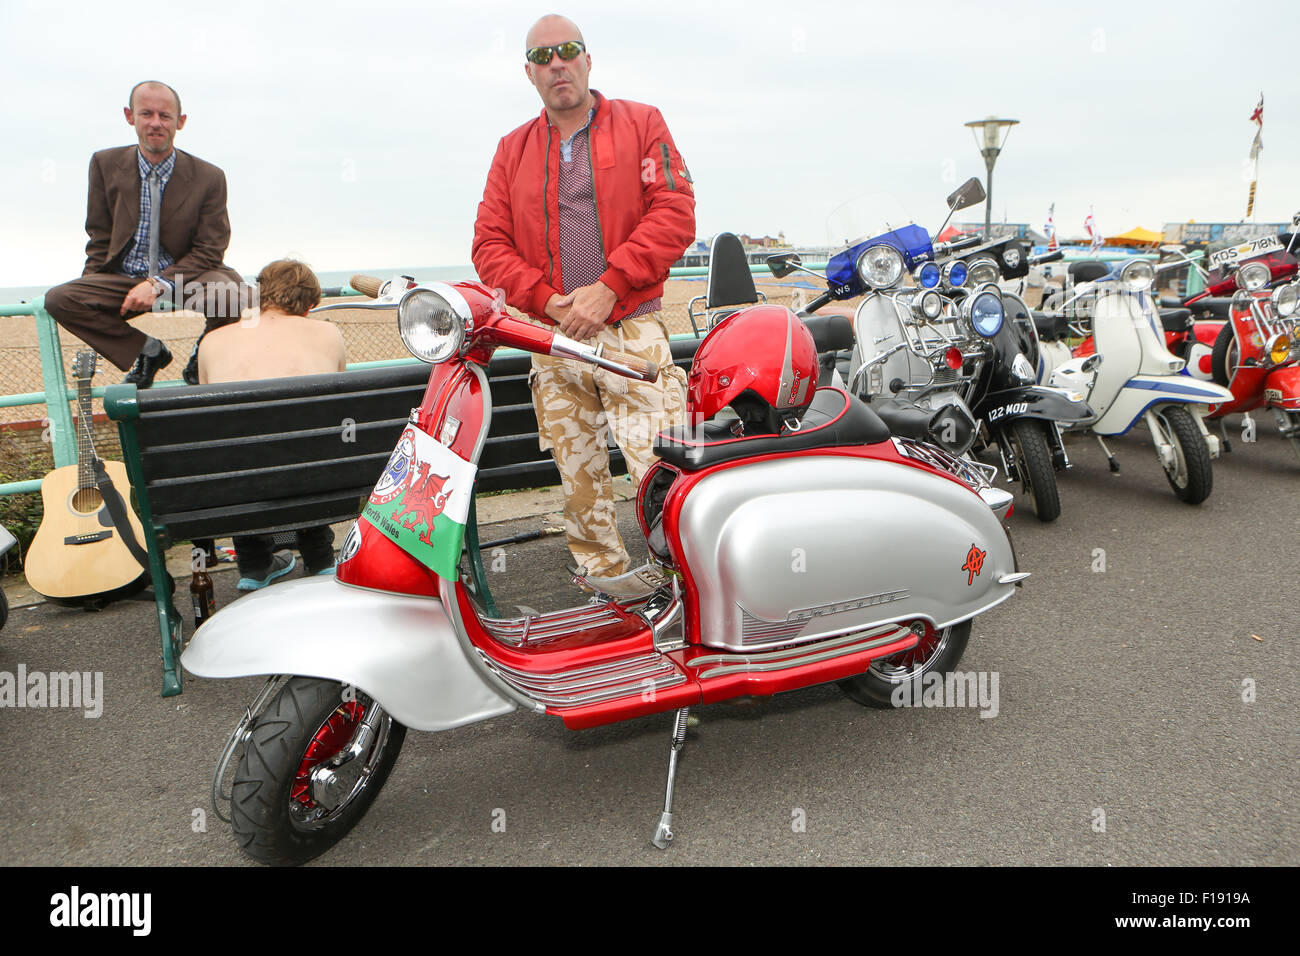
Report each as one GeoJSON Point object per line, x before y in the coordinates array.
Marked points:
{"type": "Point", "coordinates": [1143, 392]}
{"type": "Point", "coordinates": [1281, 388]}
{"type": "Point", "coordinates": [790, 550]}
{"type": "Point", "coordinates": [402, 651]}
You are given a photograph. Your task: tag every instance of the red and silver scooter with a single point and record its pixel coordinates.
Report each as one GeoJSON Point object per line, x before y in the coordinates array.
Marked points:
{"type": "Point", "coordinates": [793, 541]}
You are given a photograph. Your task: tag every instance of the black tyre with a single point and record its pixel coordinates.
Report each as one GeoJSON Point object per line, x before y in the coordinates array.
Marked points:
{"type": "Point", "coordinates": [937, 651]}
{"type": "Point", "coordinates": [1291, 423]}
{"type": "Point", "coordinates": [1034, 460]}
{"type": "Point", "coordinates": [4, 609]}
{"type": "Point", "coordinates": [1191, 476]}
{"type": "Point", "coordinates": [1224, 357]}
{"type": "Point", "coordinates": [274, 815]}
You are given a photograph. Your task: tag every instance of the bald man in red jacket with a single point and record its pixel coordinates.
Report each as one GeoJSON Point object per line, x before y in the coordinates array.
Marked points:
{"type": "Point", "coordinates": [586, 207]}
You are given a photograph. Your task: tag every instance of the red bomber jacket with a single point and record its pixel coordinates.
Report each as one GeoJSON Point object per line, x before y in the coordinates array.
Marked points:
{"type": "Point", "coordinates": [644, 201]}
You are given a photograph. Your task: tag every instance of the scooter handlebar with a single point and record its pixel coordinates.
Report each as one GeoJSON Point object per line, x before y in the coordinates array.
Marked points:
{"type": "Point", "coordinates": [1056, 256]}
{"type": "Point", "coordinates": [645, 371]}
{"type": "Point", "coordinates": [367, 285]}
{"type": "Point", "coordinates": [620, 363]}
{"type": "Point", "coordinates": [943, 248]}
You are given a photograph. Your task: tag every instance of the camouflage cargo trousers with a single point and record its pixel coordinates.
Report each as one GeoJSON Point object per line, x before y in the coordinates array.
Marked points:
{"type": "Point", "coordinates": [579, 406]}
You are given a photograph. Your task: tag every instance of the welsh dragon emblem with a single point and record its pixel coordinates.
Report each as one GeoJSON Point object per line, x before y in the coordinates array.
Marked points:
{"type": "Point", "coordinates": [424, 498]}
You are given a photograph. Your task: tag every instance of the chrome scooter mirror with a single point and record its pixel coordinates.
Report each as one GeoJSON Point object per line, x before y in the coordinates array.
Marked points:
{"type": "Point", "coordinates": [784, 264]}
{"type": "Point", "coordinates": [967, 194]}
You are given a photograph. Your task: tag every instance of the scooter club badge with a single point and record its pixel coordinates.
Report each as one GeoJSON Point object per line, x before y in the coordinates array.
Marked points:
{"type": "Point", "coordinates": [393, 480]}
{"type": "Point", "coordinates": [422, 499]}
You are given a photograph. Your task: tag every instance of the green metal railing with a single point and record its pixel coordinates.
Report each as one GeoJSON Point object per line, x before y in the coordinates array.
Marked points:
{"type": "Point", "coordinates": [55, 397]}
{"type": "Point", "coordinates": [58, 395]}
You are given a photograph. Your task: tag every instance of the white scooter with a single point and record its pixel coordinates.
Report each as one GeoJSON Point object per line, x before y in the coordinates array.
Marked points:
{"type": "Point", "coordinates": [1132, 377]}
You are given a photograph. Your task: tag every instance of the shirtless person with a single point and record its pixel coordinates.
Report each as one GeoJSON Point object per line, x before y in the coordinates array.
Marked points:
{"type": "Point", "coordinates": [278, 340]}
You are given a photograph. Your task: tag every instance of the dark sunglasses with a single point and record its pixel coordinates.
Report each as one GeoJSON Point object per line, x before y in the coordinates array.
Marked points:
{"type": "Point", "coordinates": [541, 55]}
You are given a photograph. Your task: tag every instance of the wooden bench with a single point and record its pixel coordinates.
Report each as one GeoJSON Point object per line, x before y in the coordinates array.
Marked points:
{"type": "Point", "coordinates": [211, 461]}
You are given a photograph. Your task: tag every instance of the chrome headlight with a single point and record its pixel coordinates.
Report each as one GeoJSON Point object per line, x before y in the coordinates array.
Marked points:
{"type": "Point", "coordinates": [985, 312]}
{"type": "Point", "coordinates": [1137, 276]}
{"type": "Point", "coordinates": [880, 266]}
{"type": "Point", "coordinates": [926, 275]}
{"type": "Point", "coordinates": [431, 327]}
{"type": "Point", "coordinates": [1253, 276]}
{"type": "Point", "coordinates": [983, 271]}
{"type": "Point", "coordinates": [927, 306]}
{"type": "Point", "coordinates": [1285, 299]}
{"type": "Point", "coordinates": [955, 274]}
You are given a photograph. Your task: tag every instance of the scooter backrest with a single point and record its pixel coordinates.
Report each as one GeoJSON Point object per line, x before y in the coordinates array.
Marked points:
{"type": "Point", "coordinates": [730, 281]}
{"type": "Point", "coordinates": [1088, 270]}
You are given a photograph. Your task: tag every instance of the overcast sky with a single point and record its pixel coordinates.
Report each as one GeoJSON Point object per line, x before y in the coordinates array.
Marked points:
{"type": "Point", "coordinates": [358, 133]}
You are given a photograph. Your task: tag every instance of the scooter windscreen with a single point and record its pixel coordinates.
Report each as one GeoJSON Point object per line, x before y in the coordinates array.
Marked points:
{"type": "Point", "coordinates": [879, 245]}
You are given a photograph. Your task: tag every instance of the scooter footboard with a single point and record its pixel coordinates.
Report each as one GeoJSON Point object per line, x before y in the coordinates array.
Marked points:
{"type": "Point", "coordinates": [402, 651]}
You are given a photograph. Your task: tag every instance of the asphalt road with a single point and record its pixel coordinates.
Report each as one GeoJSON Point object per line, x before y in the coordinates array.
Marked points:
{"type": "Point", "coordinates": [1120, 693]}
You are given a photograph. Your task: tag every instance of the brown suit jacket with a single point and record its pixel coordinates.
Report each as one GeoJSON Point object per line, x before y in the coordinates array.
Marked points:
{"type": "Point", "coordinates": [194, 227]}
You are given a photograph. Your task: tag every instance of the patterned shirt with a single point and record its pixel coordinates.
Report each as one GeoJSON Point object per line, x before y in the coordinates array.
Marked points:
{"type": "Point", "coordinates": [136, 260]}
{"type": "Point", "coordinates": [582, 251]}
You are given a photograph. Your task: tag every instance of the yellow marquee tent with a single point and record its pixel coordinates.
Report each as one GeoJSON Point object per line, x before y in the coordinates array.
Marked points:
{"type": "Point", "coordinates": [1137, 236]}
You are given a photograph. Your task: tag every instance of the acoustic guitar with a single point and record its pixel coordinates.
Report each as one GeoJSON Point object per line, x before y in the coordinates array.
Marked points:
{"type": "Point", "coordinates": [78, 556]}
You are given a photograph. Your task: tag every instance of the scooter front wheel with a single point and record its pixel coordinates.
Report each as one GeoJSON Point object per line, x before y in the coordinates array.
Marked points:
{"type": "Point", "coordinates": [886, 684]}
{"type": "Point", "coordinates": [287, 807]}
{"type": "Point", "coordinates": [1034, 460]}
{"type": "Point", "coordinates": [1190, 474]}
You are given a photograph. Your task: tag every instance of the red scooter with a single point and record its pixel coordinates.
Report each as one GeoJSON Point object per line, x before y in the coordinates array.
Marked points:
{"type": "Point", "coordinates": [793, 541]}
{"type": "Point", "coordinates": [1256, 353]}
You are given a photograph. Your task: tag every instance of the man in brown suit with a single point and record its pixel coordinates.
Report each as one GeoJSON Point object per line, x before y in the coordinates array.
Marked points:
{"type": "Point", "coordinates": [158, 230]}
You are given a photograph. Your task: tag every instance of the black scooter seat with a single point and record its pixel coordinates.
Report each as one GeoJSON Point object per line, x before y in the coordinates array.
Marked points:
{"type": "Point", "coordinates": [1051, 326]}
{"type": "Point", "coordinates": [831, 333]}
{"type": "Point", "coordinates": [833, 420]}
{"type": "Point", "coordinates": [1212, 307]}
{"type": "Point", "coordinates": [1176, 320]}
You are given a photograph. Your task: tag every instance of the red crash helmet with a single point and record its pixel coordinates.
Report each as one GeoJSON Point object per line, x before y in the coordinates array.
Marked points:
{"type": "Point", "coordinates": [762, 362]}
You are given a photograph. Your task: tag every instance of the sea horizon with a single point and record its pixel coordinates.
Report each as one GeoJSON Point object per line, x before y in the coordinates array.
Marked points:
{"type": "Point", "coordinates": [329, 279]}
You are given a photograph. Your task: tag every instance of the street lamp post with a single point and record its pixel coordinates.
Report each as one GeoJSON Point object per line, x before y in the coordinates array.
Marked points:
{"type": "Point", "coordinates": [990, 144]}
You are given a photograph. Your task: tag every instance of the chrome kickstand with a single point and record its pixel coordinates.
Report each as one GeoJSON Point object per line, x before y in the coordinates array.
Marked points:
{"type": "Point", "coordinates": [664, 832]}
{"type": "Point", "coordinates": [1114, 465]}
{"type": "Point", "coordinates": [1223, 430]}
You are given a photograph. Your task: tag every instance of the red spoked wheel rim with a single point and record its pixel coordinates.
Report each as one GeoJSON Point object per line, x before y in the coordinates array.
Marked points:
{"type": "Point", "coordinates": [331, 737]}
{"type": "Point", "coordinates": [913, 662]}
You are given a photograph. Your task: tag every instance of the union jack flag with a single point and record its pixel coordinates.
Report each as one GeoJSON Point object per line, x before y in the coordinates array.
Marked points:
{"type": "Point", "coordinates": [1257, 118]}
{"type": "Point", "coordinates": [1090, 225]}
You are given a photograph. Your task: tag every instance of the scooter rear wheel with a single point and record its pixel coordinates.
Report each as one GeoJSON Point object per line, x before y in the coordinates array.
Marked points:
{"type": "Point", "coordinates": [1191, 477]}
{"type": "Point", "coordinates": [886, 680]}
{"type": "Point", "coordinates": [275, 815]}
